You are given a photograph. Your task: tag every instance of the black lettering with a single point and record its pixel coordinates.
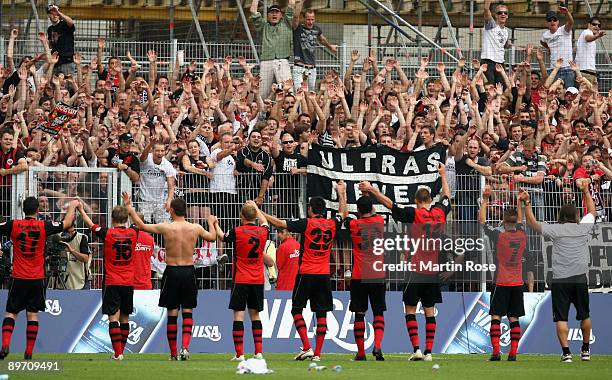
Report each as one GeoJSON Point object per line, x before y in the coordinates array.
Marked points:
{"type": "Point", "coordinates": [254, 240]}
{"type": "Point", "coordinates": [123, 250]}
{"type": "Point", "coordinates": [22, 239]}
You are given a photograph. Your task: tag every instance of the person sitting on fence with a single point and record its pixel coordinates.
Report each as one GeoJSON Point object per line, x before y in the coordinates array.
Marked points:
{"type": "Point", "coordinates": [61, 38]}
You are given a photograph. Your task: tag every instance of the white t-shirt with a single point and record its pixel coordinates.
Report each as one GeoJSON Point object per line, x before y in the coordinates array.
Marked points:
{"type": "Point", "coordinates": [153, 183]}
{"type": "Point", "coordinates": [223, 174]}
{"type": "Point", "coordinates": [560, 45]}
{"type": "Point", "coordinates": [585, 52]}
{"type": "Point", "coordinates": [494, 40]}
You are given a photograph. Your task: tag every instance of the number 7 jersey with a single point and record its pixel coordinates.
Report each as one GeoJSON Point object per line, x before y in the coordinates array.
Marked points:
{"type": "Point", "coordinates": [317, 238]}
{"type": "Point", "coordinates": [119, 248]}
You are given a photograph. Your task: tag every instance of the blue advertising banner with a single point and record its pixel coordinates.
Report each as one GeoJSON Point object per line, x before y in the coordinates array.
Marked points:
{"type": "Point", "coordinates": [72, 322]}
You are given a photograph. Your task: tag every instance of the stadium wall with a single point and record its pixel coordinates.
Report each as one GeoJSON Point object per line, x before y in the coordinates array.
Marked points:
{"type": "Point", "coordinates": [73, 322]}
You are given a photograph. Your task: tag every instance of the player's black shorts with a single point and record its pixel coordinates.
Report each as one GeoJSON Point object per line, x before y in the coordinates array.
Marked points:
{"type": "Point", "coordinates": [567, 291]}
{"type": "Point", "coordinates": [424, 288]}
{"type": "Point", "coordinates": [117, 297]}
{"type": "Point", "coordinates": [179, 288]}
{"type": "Point", "coordinates": [26, 295]}
{"type": "Point", "coordinates": [361, 291]}
{"type": "Point", "coordinates": [313, 287]}
{"type": "Point", "coordinates": [247, 295]}
{"type": "Point", "coordinates": [507, 300]}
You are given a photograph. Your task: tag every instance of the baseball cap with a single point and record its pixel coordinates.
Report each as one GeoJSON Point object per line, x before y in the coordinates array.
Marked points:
{"type": "Point", "coordinates": [572, 90]}
{"type": "Point", "coordinates": [126, 137]}
{"type": "Point", "coordinates": [52, 8]}
{"type": "Point", "coordinates": [550, 15]}
{"type": "Point", "coordinates": [274, 8]}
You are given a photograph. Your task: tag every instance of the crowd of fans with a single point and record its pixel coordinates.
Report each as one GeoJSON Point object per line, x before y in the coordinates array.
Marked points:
{"type": "Point", "coordinates": [221, 133]}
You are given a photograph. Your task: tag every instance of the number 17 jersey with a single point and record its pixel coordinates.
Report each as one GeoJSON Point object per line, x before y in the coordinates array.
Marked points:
{"type": "Point", "coordinates": [317, 238]}
{"type": "Point", "coordinates": [119, 249]}
{"type": "Point", "coordinates": [29, 238]}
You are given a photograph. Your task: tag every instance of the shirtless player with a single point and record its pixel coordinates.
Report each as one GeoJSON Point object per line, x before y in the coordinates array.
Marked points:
{"type": "Point", "coordinates": [178, 290]}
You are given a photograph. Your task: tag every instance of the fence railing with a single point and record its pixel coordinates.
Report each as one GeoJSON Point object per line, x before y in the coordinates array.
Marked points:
{"type": "Point", "coordinates": [408, 56]}
{"type": "Point", "coordinates": [99, 191]}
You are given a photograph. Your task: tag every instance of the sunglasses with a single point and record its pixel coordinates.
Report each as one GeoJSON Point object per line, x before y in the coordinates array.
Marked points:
{"type": "Point", "coordinates": [596, 24]}
{"type": "Point", "coordinates": [553, 20]}
{"type": "Point", "coordinates": [502, 13]}
{"type": "Point", "coordinates": [288, 142]}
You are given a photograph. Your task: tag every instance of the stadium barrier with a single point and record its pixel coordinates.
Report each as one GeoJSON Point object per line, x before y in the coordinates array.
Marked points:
{"type": "Point", "coordinates": [100, 189]}
{"type": "Point", "coordinates": [76, 325]}
{"type": "Point", "coordinates": [408, 56]}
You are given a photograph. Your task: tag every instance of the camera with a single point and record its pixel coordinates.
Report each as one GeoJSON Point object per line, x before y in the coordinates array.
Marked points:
{"type": "Point", "coordinates": [56, 264]}
{"type": "Point", "coordinates": [5, 261]}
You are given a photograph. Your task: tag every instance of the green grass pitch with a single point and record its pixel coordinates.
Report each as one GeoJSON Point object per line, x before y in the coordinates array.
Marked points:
{"type": "Point", "coordinates": [395, 367]}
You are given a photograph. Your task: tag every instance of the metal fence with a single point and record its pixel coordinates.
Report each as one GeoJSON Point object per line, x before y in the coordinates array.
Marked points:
{"type": "Point", "coordinates": [408, 56]}
{"type": "Point", "coordinates": [99, 190]}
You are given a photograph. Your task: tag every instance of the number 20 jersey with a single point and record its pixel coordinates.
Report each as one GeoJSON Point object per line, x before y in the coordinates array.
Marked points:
{"type": "Point", "coordinates": [119, 249]}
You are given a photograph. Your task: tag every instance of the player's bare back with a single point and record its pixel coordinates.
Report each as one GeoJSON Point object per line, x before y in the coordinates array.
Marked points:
{"type": "Point", "coordinates": [180, 239]}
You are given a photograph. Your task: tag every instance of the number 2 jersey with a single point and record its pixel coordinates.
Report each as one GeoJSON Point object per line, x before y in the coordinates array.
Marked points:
{"type": "Point", "coordinates": [249, 244]}
{"type": "Point", "coordinates": [316, 244]}
{"type": "Point", "coordinates": [29, 237]}
{"type": "Point", "coordinates": [119, 250]}
{"type": "Point", "coordinates": [509, 247]}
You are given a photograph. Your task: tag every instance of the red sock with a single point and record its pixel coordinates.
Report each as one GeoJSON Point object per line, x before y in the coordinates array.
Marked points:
{"type": "Point", "coordinates": [7, 331]}
{"type": "Point", "coordinates": [379, 329]}
{"type": "Point", "coordinates": [300, 326]}
{"type": "Point", "coordinates": [171, 329]}
{"type": "Point", "coordinates": [115, 335]}
{"type": "Point", "coordinates": [187, 328]}
{"type": "Point", "coordinates": [515, 337]}
{"type": "Point", "coordinates": [31, 333]}
{"type": "Point", "coordinates": [495, 333]}
{"type": "Point", "coordinates": [125, 332]}
{"type": "Point", "coordinates": [430, 333]}
{"type": "Point", "coordinates": [359, 331]}
{"type": "Point", "coordinates": [413, 330]}
{"type": "Point", "coordinates": [238, 333]}
{"type": "Point", "coordinates": [257, 340]}
{"type": "Point", "coordinates": [321, 331]}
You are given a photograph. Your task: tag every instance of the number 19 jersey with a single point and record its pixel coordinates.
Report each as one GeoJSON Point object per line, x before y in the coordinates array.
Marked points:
{"type": "Point", "coordinates": [119, 248]}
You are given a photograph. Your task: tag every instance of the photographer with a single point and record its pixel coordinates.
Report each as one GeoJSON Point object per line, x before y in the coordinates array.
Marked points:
{"type": "Point", "coordinates": [595, 171]}
{"type": "Point", "coordinates": [78, 254]}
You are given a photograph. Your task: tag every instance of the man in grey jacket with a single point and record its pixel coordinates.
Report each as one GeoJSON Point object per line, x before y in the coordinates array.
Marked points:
{"type": "Point", "coordinates": [570, 261]}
